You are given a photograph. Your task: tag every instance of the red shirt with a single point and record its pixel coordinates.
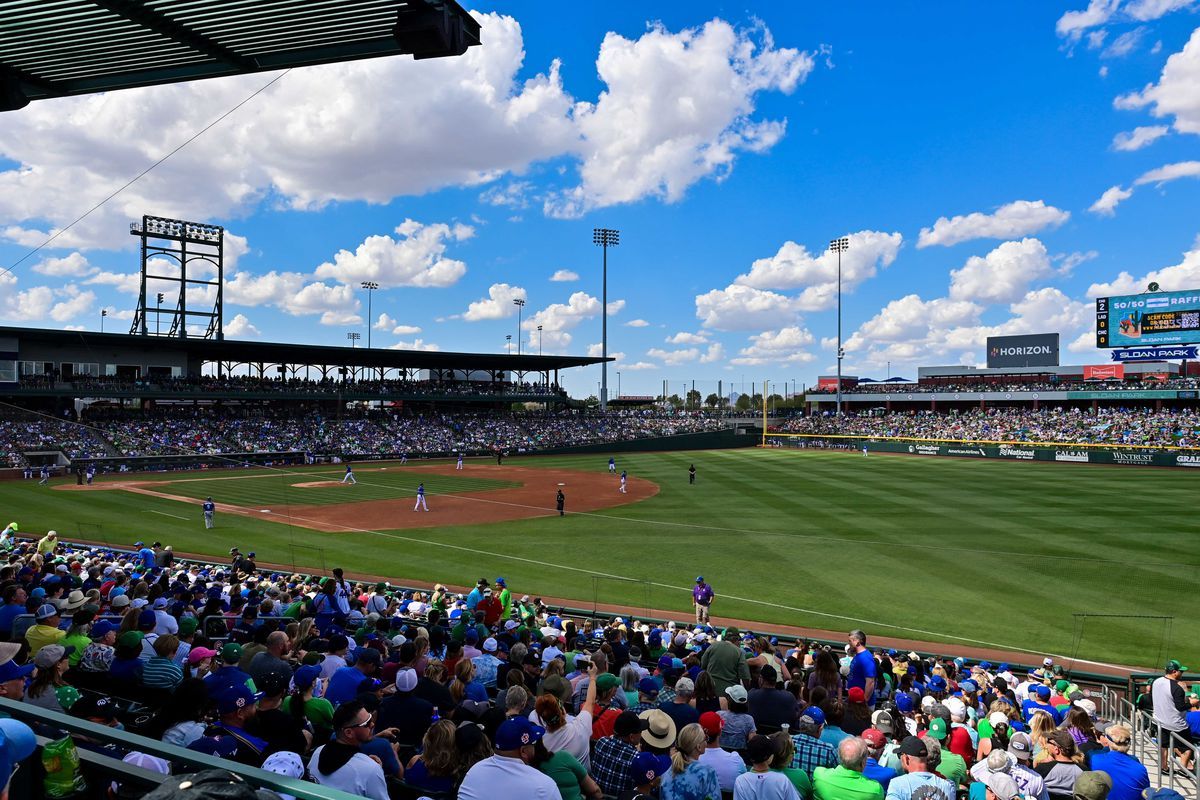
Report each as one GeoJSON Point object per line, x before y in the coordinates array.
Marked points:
{"type": "Point", "coordinates": [491, 608]}
{"type": "Point", "coordinates": [960, 744]}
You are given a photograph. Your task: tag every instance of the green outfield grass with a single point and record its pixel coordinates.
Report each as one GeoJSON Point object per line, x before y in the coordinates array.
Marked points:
{"type": "Point", "coordinates": [996, 552]}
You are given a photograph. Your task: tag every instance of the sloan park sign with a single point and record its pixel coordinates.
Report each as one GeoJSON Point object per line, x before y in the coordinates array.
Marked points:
{"type": "Point", "coordinates": [1153, 353]}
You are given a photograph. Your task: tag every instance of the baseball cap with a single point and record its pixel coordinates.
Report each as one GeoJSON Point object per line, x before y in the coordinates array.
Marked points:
{"type": "Point", "coordinates": [937, 728]}
{"type": "Point", "coordinates": [904, 702]}
{"type": "Point", "coordinates": [1094, 785]}
{"type": "Point", "coordinates": [648, 685]}
{"type": "Point", "coordinates": [1021, 746]}
{"type": "Point", "coordinates": [699, 579]}
{"type": "Point", "coordinates": [711, 722]}
{"type": "Point", "coordinates": [198, 654]}
{"type": "Point", "coordinates": [1174, 666]}
{"type": "Point", "coordinates": [606, 681]}
{"type": "Point", "coordinates": [856, 695]}
{"type": "Point", "coordinates": [99, 706]}
{"type": "Point", "coordinates": [881, 720]}
{"type": "Point", "coordinates": [102, 629]}
{"type": "Point", "coordinates": [367, 656]}
{"type": "Point", "coordinates": [406, 680]}
{"type": "Point", "coordinates": [489, 646]}
{"type": "Point", "coordinates": [130, 639]}
{"type": "Point", "coordinates": [237, 697]}
{"type": "Point", "coordinates": [516, 732]}
{"type": "Point", "coordinates": [231, 653]}
{"type": "Point", "coordinates": [685, 686]}
{"type": "Point", "coordinates": [1043, 691]}
{"type": "Point", "coordinates": [306, 676]}
{"type": "Point", "coordinates": [46, 612]}
{"type": "Point", "coordinates": [647, 766]}
{"type": "Point", "coordinates": [813, 715]}
{"type": "Point", "coordinates": [912, 746]}
{"type": "Point", "coordinates": [11, 671]}
{"type": "Point", "coordinates": [874, 737]}
{"type": "Point", "coordinates": [1003, 786]}
{"type": "Point", "coordinates": [736, 693]}
{"type": "Point", "coordinates": [17, 743]}
{"type": "Point", "coordinates": [51, 654]}
{"type": "Point", "coordinates": [937, 684]}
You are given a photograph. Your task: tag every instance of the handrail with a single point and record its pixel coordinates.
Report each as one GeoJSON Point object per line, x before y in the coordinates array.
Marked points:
{"type": "Point", "coordinates": [301, 790]}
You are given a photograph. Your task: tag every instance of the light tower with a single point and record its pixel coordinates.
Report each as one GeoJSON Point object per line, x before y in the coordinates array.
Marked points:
{"type": "Point", "coordinates": [605, 238]}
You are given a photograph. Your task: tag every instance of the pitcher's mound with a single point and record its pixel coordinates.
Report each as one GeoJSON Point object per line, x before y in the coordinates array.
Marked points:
{"type": "Point", "coordinates": [315, 484]}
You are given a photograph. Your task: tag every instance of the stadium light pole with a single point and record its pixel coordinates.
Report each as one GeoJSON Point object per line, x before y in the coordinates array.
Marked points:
{"type": "Point", "coordinates": [605, 238]}
{"type": "Point", "coordinates": [353, 336]}
{"type": "Point", "coordinates": [508, 344]}
{"type": "Point", "coordinates": [519, 302]}
{"type": "Point", "coordinates": [539, 340]}
{"type": "Point", "coordinates": [370, 286]}
{"type": "Point", "coordinates": [103, 314]}
{"type": "Point", "coordinates": [839, 246]}
{"type": "Point", "coordinates": [618, 384]}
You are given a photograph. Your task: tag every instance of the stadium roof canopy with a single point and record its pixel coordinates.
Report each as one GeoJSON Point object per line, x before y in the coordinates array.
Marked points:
{"type": "Point", "coordinates": [243, 352]}
{"type": "Point", "coordinates": [56, 48]}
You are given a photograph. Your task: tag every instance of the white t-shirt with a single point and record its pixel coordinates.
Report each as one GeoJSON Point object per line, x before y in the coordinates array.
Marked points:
{"type": "Point", "coordinates": [330, 665]}
{"type": "Point", "coordinates": [764, 786]}
{"type": "Point", "coordinates": [504, 778]}
{"type": "Point", "coordinates": [575, 737]}
{"type": "Point", "coordinates": [359, 776]}
{"type": "Point", "coordinates": [727, 765]}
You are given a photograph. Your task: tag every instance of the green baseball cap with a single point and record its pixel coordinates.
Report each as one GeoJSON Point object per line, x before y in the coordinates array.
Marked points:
{"type": "Point", "coordinates": [1174, 666]}
{"type": "Point", "coordinates": [606, 681]}
{"type": "Point", "coordinates": [231, 653]}
{"type": "Point", "coordinates": [937, 728]}
{"type": "Point", "coordinates": [130, 639]}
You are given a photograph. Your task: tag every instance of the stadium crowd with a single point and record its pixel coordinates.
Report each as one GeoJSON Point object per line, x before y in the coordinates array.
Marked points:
{"type": "Point", "coordinates": [1001, 385]}
{"type": "Point", "coordinates": [1115, 426]}
{"type": "Point", "coordinates": [327, 386]}
{"type": "Point", "coordinates": [216, 430]}
{"type": "Point", "coordinates": [402, 694]}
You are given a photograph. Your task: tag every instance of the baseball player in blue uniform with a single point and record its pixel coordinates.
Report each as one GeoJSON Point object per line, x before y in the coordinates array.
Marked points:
{"type": "Point", "coordinates": [403, 459]}
{"type": "Point", "coordinates": [420, 498]}
{"type": "Point", "coordinates": [208, 507]}
{"type": "Point", "coordinates": [349, 477]}
{"type": "Point", "coordinates": [45, 475]}
{"type": "Point", "coordinates": [459, 465]}
{"type": "Point", "coordinates": [624, 476]}
{"type": "Point", "coordinates": [91, 474]}
{"type": "Point", "coordinates": [612, 465]}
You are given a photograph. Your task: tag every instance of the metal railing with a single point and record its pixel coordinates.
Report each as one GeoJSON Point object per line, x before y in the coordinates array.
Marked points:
{"type": "Point", "coordinates": [181, 759]}
{"type": "Point", "coordinates": [1147, 740]}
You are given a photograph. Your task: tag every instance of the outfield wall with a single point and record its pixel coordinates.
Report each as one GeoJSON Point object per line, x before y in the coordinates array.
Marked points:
{"type": "Point", "coordinates": [1027, 452]}
{"type": "Point", "coordinates": [710, 440]}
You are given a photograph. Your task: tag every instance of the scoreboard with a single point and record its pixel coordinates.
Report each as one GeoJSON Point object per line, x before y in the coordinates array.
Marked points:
{"type": "Point", "coordinates": [1148, 319]}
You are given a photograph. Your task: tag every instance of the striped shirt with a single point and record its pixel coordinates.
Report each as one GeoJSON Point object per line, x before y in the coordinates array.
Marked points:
{"type": "Point", "coordinates": [161, 673]}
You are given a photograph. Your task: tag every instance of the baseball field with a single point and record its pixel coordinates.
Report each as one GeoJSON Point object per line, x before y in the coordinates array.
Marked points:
{"type": "Point", "coordinates": [1085, 562]}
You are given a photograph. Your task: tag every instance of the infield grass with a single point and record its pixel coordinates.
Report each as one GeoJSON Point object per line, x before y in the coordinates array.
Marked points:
{"type": "Point", "coordinates": [980, 552]}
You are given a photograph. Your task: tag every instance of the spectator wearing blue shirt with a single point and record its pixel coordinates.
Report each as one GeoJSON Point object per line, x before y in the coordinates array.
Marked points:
{"type": "Point", "coordinates": [1129, 776]}
{"type": "Point", "coordinates": [863, 670]}
{"type": "Point", "coordinates": [146, 555]}
{"type": "Point", "coordinates": [476, 595]}
{"type": "Point", "coordinates": [1193, 716]}
{"type": "Point", "coordinates": [228, 676]}
{"type": "Point", "coordinates": [876, 741]}
{"type": "Point", "coordinates": [343, 686]}
{"type": "Point", "coordinates": [1040, 701]}
{"type": "Point", "coordinates": [15, 598]}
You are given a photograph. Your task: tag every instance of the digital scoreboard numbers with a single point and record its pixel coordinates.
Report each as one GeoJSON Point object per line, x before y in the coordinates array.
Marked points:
{"type": "Point", "coordinates": [1148, 319]}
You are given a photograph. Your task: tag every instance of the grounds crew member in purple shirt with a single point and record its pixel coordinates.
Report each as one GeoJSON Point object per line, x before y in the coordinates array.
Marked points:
{"type": "Point", "coordinates": [702, 597]}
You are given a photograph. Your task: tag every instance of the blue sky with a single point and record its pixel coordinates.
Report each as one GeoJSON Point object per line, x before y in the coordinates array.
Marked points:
{"type": "Point", "coordinates": [995, 169]}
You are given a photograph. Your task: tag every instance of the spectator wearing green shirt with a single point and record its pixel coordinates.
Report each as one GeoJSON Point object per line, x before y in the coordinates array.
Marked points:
{"type": "Point", "coordinates": [846, 781]}
{"type": "Point", "coordinates": [725, 662]}
{"type": "Point", "coordinates": [78, 636]}
{"type": "Point", "coordinates": [785, 751]}
{"type": "Point", "coordinates": [505, 599]}
{"type": "Point", "coordinates": [951, 766]}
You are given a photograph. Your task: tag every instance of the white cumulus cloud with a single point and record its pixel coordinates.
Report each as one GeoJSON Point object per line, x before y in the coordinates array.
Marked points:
{"type": "Point", "coordinates": [684, 337]}
{"type": "Point", "coordinates": [497, 305]}
{"type": "Point", "coordinates": [74, 265]}
{"type": "Point", "coordinates": [783, 346]}
{"type": "Point", "coordinates": [677, 108]}
{"type": "Point", "coordinates": [241, 328]}
{"type": "Point", "coordinates": [1003, 275]}
{"type": "Point", "coordinates": [564, 276]}
{"type": "Point", "coordinates": [1177, 277]}
{"type": "Point", "coordinates": [1019, 218]}
{"type": "Point", "coordinates": [637, 323]}
{"type": "Point", "coordinates": [1170, 172]}
{"type": "Point", "coordinates": [1177, 92]}
{"type": "Point", "coordinates": [742, 308]}
{"type": "Point", "coordinates": [415, 258]}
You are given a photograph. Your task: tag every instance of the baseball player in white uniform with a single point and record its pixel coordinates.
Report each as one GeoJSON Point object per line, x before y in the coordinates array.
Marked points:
{"type": "Point", "coordinates": [624, 477]}
{"type": "Point", "coordinates": [420, 506]}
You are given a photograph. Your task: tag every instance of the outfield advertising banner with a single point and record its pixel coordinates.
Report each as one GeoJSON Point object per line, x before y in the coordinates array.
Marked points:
{"type": "Point", "coordinates": [1032, 350]}
{"type": "Point", "coordinates": [1104, 372]}
{"type": "Point", "coordinates": [1032, 452]}
{"type": "Point", "coordinates": [1157, 318]}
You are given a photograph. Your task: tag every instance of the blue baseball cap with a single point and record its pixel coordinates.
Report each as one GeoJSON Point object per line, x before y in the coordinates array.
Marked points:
{"type": "Point", "coordinates": [11, 671]}
{"type": "Point", "coordinates": [699, 579]}
{"type": "Point", "coordinates": [516, 732]}
{"type": "Point", "coordinates": [237, 697]}
{"type": "Point", "coordinates": [985, 665]}
{"type": "Point", "coordinates": [1043, 691]}
{"type": "Point", "coordinates": [904, 702]}
{"type": "Point", "coordinates": [17, 743]}
{"type": "Point", "coordinates": [647, 766]}
{"type": "Point", "coordinates": [648, 685]}
{"type": "Point", "coordinates": [102, 629]}
{"type": "Point", "coordinates": [500, 582]}
{"type": "Point", "coordinates": [814, 715]}
{"type": "Point", "coordinates": [306, 676]}
{"type": "Point", "coordinates": [937, 684]}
